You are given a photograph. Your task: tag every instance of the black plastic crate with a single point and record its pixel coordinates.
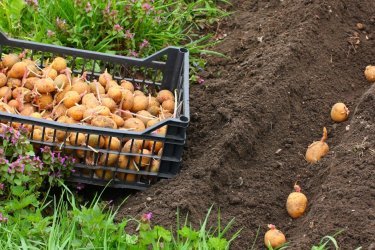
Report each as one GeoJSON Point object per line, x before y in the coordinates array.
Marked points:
{"type": "Point", "coordinates": [166, 69]}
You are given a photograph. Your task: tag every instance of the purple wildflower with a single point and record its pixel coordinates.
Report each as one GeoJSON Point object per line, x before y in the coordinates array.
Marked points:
{"type": "Point", "coordinates": [50, 33]}
{"type": "Point", "coordinates": [118, 27]}
{"type": "Point", "coordinates": [147, 7]}
{"type": "Point", "coordinates": [32, 3]}
{"type": "Point", "coordinates": [133, 53]}
{"type": "Point", "coordinates": [144, 44]}
{"type": "Point", "coordinates": [107, 9]}
{"type": "Point", "coordinates": [88, 7]}
{"type": "Point", "coordinates": [128, 34]}
{"type": "Point", "coordinates": [200, 80]}
{"type": "Point", "coordinates": [1, 186]}
{"type": "Point", "coordinates": [146, 218]}
{"type": "Point", "coordinates": [2, 218]}
{"type": "Point", "coordinates": [80, 186]}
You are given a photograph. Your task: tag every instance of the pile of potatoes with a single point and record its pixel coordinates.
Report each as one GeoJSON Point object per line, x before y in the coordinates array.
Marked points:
{"type": "Point", "coordinates": [52, 93]}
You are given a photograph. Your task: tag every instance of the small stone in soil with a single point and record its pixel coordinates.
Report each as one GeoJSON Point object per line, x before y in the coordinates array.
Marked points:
{"type": "Point", "coordinates": [149, 199]}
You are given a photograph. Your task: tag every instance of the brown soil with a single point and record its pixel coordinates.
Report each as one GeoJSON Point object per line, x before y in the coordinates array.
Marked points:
{"type": "Point", "coordinates": [290, 61]}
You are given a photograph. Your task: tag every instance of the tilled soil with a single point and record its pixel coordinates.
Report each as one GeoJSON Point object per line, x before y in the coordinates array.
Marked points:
{"type": "Point", "coordinates": [288, 62]}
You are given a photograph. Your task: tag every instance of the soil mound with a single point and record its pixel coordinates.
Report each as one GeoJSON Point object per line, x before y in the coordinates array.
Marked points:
{"type": "Point", "coordinates": [289, 62]}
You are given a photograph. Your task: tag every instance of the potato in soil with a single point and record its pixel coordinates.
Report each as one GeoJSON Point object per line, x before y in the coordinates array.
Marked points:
{"type": "Point", "coordinates": [296, 203]}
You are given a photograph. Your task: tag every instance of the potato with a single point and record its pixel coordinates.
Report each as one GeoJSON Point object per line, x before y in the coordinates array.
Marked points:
{"type": "Point", "coordinates": [21, 92]}
{"type": "Point", "coordinates": [370, 73]}
{"type": "Point", "coordinates": [143, 161]}
{"type": "Point", "coordinates": [90, 101]}
{"type": "Point", "coordinates": [71, 98]}
{"type": "Point", "coordinates": [37, 135]}
{"type": "Point", "coordinates": [155, 146]}
{"type": "Point", "coordinates": [109, 103]}
{"type": "Point", "coordinates": [124, 161]}
{"type": "Point", "coordinates": [111, 84]}
{"type": "Point", "coordinates": [126, 114]}
{"type": "Point", "coordinates": [104, 78]}
{"type": "Point", "coordinates": [80, 87]}
{"type": "Point", "coordinates": [59, 96]}
{"type": "Point", "coordinates": [131, 147]}
{"type": "Point", "coordinates": [44, 101]}
{"type": "Point", "coordinates": [139, 93]}
{"type": "Point", "coordinates": [103, 121]}
{"type": "Point", "coordinates": [118, 120]}
{"type": "Point", "coordinates": [127, 100]}
{"type": "Point", "coordinates": [3, 79]}
{"type": "Point", "coordinates": [168, 106]}
{"type": "Point", "coordinates": [18, 70]}
{"type": "Point", "coordinates": [59, 110]}
{"type": "Point", "coordinates": [134, 124]}
{"type": "Point", "coordinates": [152, 122]}
{"type": "Point", "coordinates": [152, 101]}
{"type": "Point", "coordinates": [155, 165]}
{"type": "Point", "coordinates": [153, 110]}
{"type": "Point", "coordinates": [14, 104]}
{"type": "Point", "coordinates": [93, 88]}
{"type": "Point", "coordinates": [76, 112]}
{"type": "Point", "coordinates": [112, 143]}
{"type": "Point", "coordinates": [142, 143]}
{"type": "Point", "coordinates": [59, 64]}
{"type": "Point", "coordinates": [115, 93]}
{"type": "Point", "coordinates": [30, 82]}
{"type": "Point", "coordinates": [6, 108]}
{"type": "Point", "coordinates": [128, 177]}
{"type": "Point", "coordinates": [102, 110]}
{"type": "Point", "coordinates": [108, 161]}
{"type": "Point", "coordinates": [80, 153]}
{"type": "Point", "coordinates": [77, 139]}
{"type": "Point", "coordinates": [63, 119]}
{"type": "Point", "coordinates": [127, 85]}
{"type": "Point", "coordinates": [45, 85]}
{"type": "Point", "coordinates": [165, 115]}
{"type": "Point", "coordinates": [94, 141]}
{"type": "Point", "coordinates": [9, 60]}
{"type": "Point", "coordinates": [144, 116]}
{"type": "Point", "coordinates": [106, 175]}
{"type": "Point", "coordinates": [32, 68]}
{"type": "Point", "coordinates": [49, 72]}
{"type": "Point", "coordinates": [61, 135]}
{"type": "Point", "coordinates": [140, 103]}
{"type": "Point", "coordinates": [27, 110]}
{"type": "Point", "coordinates": [61, 81]}
{"type": "Point", "coordinates": [6, 93]}
{"type": "Point", "coordinates": [164, 95]}
{"type": "Point", "coordinates": [14, 82]}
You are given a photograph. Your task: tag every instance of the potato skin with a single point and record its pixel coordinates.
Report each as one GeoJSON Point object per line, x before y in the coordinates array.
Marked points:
{"type": "Point", "coordinates": [296, 204]}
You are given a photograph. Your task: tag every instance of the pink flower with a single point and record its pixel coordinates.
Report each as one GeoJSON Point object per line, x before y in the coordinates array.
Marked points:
{"type": "Point", "coordinates": [32, 3]}
{"type": "Point", "coordinates": [133, 53]}
{"type": "Point", "coordinates": [144, 44]}
{"type": "Point", "coordinates": [117, 27]}
{"type": "Point", "coordinates": [80, 186]}
{"type": "Point", "coordinates": [88, 7]}
{"type": "Point", "coordinates": [128, 34]}
{"type": "Point", "coordinates": [146, 218]}
{"type": "Point", "coordinates": [2, 218]}
{"type": "Point", "coordinates": [50, 33]}
{"type": "Point", "coordinates": [147, 7]}
{"type": "Point", "coordinates": [200, 80]}
{"type": "Point", "coordinates": [1, 186]}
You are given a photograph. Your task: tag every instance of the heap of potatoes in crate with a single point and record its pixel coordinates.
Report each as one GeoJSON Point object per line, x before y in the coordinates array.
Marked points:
{"type": "Point", "coordinates": [54, 94]}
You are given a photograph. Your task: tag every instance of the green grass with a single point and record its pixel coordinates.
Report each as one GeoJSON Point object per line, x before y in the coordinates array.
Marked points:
{"type": "Point", "coordinates": [92, 226]}
{"type": "Point", "coordinates": [133, 28]}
